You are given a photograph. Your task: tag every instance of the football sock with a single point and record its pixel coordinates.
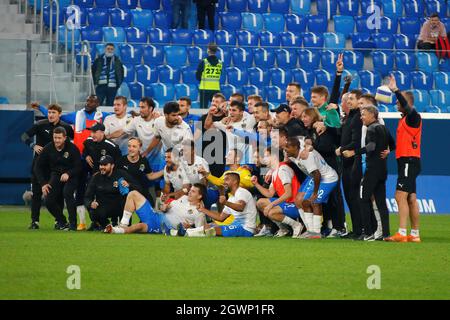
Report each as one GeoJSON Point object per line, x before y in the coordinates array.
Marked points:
{"type": "Point", "coordinates": [81, 214]}
{"type": "Point", "coordinates": [290, 222]}
{"type": "Point", "coordinates": [195, 232]}
{"type": "Point", "coordinates": [415, 233]}
{"type": "Point", "coordinates": [126, 218]}
{"type": "Point", "coordinates": [402, 231]}
{"type": "Point", "coordinates": [302, 215]}
{"type": "Point", "coordinates": [317, 223]}
{"type": "Point", "coordinates": [118, 230]}
{"type": "Point", "coordinates": [330, 224]}
{"type": "Point", "coordinates": [211, 232]}
{"type": "Point", "coordinates": [309, 220]}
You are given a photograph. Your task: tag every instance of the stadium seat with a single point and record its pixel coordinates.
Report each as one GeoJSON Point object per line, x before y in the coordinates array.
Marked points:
{"type": "Point", "coordinates": [227, 90]}
{"type": "Point", "coordinates": [167, 74]}
{"type": "Point", "coordinates": [264, 58]}
{"type": "Point", "coordinates": [383, 62]}
{"type": "Point", "coordinates": [324, 78]}
{"type": "Point", "coordinates": [427, 62]}
{"type": "Point", "coordinates": [383, 108]}
{"type": "Point", "coordinates": [440, 98]}
{"type": "Point", "coordinates": [195, 105]}
{"type": "Point", "coordinates": [92, 34]}
{"type": "Point", "coordinates": [79, 16]}
{"type": "Point", "coordinates": [242, 58]}
{"type": "Point", "coordinates": [152, 55]}
{"type": "Point", "coordinates": [202, 37]}
{"type": "Point", "coordinates": [224, 55]}
{"type": "Point", "coordinates": [383, 40]}
{"type": "Point", "coordinates": [367, 6]}
{"type": "Point", "coordinates": [409, 25]}
{"type": "Point", "coordinates": [46, 17]}
{"type": "Point", "coordinates": [444, 65]}
{"type": "Point", "coordinates": [328, 60]}
{"type": "Point", "coordinates": [273, 22]}
{"type": "Point", "coordinates": [388, 25]}
{"type": "Point", "coordinates": [362, 41]}
{"type": "Point", "coordinates": [129, 73]}
{"type": "Point", "coordinates": [301, 7]}
{"type": "Point", "coordinates": [236, 76]}
{"type": "Point", "coordinates": [188, 75]}
{"type": "Point", "coordinates": [370, 80]}
{"type": "Point", "coordinates": [405, 61]}
{"type": "Point", "coordinates": [127, 4]}
{"type": "Point", "coordinates": [392, 8]}
{"type": "Point", "coordinates": [279, 6]}
{"type": "Point", "coordinates": [308, 59]}
{"type": "Point", "coordinates": [230, 21]}
{"type": "Point", "coordinates": [146, 75]}
{"type": "Point", "coordinates": [258, 77]}
{"type": "Point", "coordinates": [436, 6]}
{"type": "Point", "coordinates": [361, 25]}
{"type": "Point", "coordinates": [312, 40]}
{"type": "Point", "coordinates": [290, 39]}
{"type": "Point", "coordinates": [136, 90]}
{"type": "Point", "coordinates": [258, 6]}
{"type": "Point", "coordinates": [120, 17]}
{"type": "Point", "coordinates": [105, 3]}
{"type": "Point", "coordinates": [163, 19]}
{"type": "Point", "coordinates": [252, 21]}
{"type": "Point", "coordinates": [432, 109]}
{"type": "Point", "coordinates": [181, 36]}
{"type": "Point", "coordinates": [446, 22]}
{"type": "Point", "coordinates": [403, 42]}
{"type": "Point", "coordinates": [317, 23]}
{"type": "Point", "coordinates": [98, 17]}
{"type": "Point", "coordinates": [79, 3]}
{"type": "Point", "coordinates": [333, 40]}
{"type": "Point", "coordinates": [280, 77]}
{"type": "Point", "coordinates": [344, 25]}
{"type": "Point", "coordinates": [246, 38]}
{"type": "Point", "coordinates": [327, 8]}
{"type": "Point", "coordinates": [150, 4]}
{"type": "Point", "coordinates": [135, 35]}
{"type": "Point", "coordinates": [159, 36]}
{"type": "Point", "coordinates": [421, 80]}
{"type": "Point", "coordinates": [186, 90]}
{"type": "Point", "coordinates": [130, 54]}
{"type": "Point", "coordinates": [113, 34]}
{"type": "Point", "coordinates": [163, 92]}
{"type": "Point", "coordinates": [142, 19]}
{"type": "Point", "coordinates": [421, 99]}
{"type": "Point", "coordinates": [348, 7]}
{"type": "Point", "coordinates": [195, 55]}
{"type": "Point", "coordinates": [99, 47]}
{"type": "Point", "coordinates": [269, 39]}
{"type": "Point", "coordinates": [304, 77]}
{"type": "Point", "coordinates": [441, 80]}
{"type": "Point", "coordinates": [286, 58]}
{"type": "Point", "coordinates": [175, 55]}
{"type": "Point", "coordinates": [236, 5]}
{"type": "Point", "coordinates": [353, 60]}
{"type": "Point", "coordinates": [62, 37]}
{"type": "Point", "coordinates": [275, 94]}
{"type": "Point", "coordinates": [167, 5]}
{"type": "Point", "coordinates": [403, 80]}
{"type": "Point", "coordinates": [414, 8]}
{"type": "Point", "coordinates": [295, 23]}
{"type": "Point", "coordinates": [250, 89]}
{"type": "Point", "coordinates": [355, 84]}
{"type": "Point", "coordinates": [224, 37]}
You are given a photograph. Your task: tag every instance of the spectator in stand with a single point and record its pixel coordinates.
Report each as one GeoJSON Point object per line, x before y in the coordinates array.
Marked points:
{"type": "Point", "coordinates": [181, 12]}
{"type": "Point", "coordinates": [206, 8]}
{"type": "Point", "coordinates": [208, 73]}
{"type": "Point", "coordinates": [430, 32]}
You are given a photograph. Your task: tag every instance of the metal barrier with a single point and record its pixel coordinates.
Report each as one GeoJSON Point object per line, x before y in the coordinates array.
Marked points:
{"type": "Point", "coordinates": [51, 23]}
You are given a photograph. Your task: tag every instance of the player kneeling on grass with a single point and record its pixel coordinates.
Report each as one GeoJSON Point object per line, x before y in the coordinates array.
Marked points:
{"type": "Point", "coordinates": [184, 211]}
{"type": "Point", "coordinates": [240, 204]}
{"type": "Point", "coordinates": [281, 210]}
{"type": "Point", "coordinates": [315, 190]}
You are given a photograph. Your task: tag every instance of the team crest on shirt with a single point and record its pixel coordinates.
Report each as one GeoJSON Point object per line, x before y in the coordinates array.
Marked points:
{"type": "Point", "coordinates": [66, 155]}
{"type": "Point", "coordinates": [115, 184]}
{"type": "Point", "coordinates": [190, 211]}
{"type": "Point", "coordinates": [103, 152]}
{"type": "Point", "coordinates": [141, 167]}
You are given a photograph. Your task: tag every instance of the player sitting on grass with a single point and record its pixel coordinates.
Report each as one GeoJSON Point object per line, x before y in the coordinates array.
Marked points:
{"type": "Point", "coordinates": [183, 211]}
{"type": "Point", "coordinates": [240, 204]}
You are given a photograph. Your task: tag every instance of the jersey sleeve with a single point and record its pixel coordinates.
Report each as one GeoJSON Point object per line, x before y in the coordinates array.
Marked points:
{"type": "Point", "coordinates": [286, 174]}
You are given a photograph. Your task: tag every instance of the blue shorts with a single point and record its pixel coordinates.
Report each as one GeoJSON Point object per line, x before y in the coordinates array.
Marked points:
{"type": "Point", "coordinates": [235, 230]}
{"type": "Point", "coordinates": [324, 190]}
{"type": "Point", "coordinates": [148, 216]}
{"type": "Point", "coordinates": [212, 197]}
{"type": "Point", "coordinates": [289, 209]}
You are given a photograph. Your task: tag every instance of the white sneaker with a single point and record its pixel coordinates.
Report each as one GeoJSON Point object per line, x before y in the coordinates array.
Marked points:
{"type": "Point", "coordinates": [264, 232]}
{"type": "Point", "coordinates": [333, 234]}
{"type": "Point", "coordinates": [378, 234]}
{"type": "Point", "coordinates": [282, 232]}
{"type": "Point", "coordinates": [297, 231]}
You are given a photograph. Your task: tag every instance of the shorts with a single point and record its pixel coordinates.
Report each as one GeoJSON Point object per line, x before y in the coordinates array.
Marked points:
{"type": "Point", "coordinates": [150, 218]}
{"type": "Point", "coordinates": [212, 197]}
{"type": "Point", "coordinates": [322, 194]}
{"type": "Point", "coordinates": [235, 230]}
{"type": "Point", "coordinates": [408, 170]}
{"type": "Point", "coordinates": [289, 209]}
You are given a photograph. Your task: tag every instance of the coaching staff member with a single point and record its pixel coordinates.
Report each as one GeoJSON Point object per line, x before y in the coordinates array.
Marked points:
{"type": "Point", "coordinates": [409, 133]}
{"type": "Point", "coordinates": [57, 170]}
{"type": "Point", "coordinates": [43, 130]}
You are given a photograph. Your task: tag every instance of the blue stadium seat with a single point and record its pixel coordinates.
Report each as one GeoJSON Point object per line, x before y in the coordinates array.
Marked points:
{"type": "Point", "coordinates": [227, 90]}
{"type": "Point", "coordinates": [421, 99]}
{"type": "Point", "coordinates": [135, 35]}
{"type": "Point", "coordinates": [362, 41]}
{"type": "Point", "coordinates": [142, 19]}
{"type": "Point", "coordinates": [252, 21]}
{"type": "Point", "coordinates": [409, 25]}
{"type": "Point", "coordinates": [181, 36]}
{"type": "Point", "coordinates": [246, 38]}
{"type": "Point", "coordinates": [163, 19]}
{"type": "Point", "coordinates": [113, 34]}
{"type": "Point", "coordinates": [166, 5]}
{"type": "Point", "coordinates": [167, 74]}
{"type": "Point", "coordinates": [195, 105]}
{"type": "Point", "coordinates": [436, 6]}
{"type": "Point", "coordinates": [441, 80]}
{"type": "Point", "coordinates": [258, 6]}
{"type": "Point", "coordinates": [242, 58]}
{"type": "Point", "coordinates": [327, 8]}
{"type": "Point", "coordinates": [79, 3]}
{"type": "Point", "coordinates": [250, 89]}
{"type": "Point", "coordinates": [290, 39]}
{"type": "Point", "coordinates": [422, 80]}
{"type": "Point", "coordinates": [370, 80]}
{"type": "Point", "coordinates": [124, 91]}
{"type": "Point", "coordinates": [403, 41]}
{"type": "Point", "coordinates": [383, 40]}
{"type": "Point", "coordinates": [440, 98]}
{"type": "Point", "coordinates": [362, 25]}
{"type": "Point", "coordinates": [301, 7]}
{"type": "Point", "coordinates": [312, 40]}
{"type": "Point", "coordinates": [432, 109]}
{"type": "Point", "coordinates": [273, 22]}
{"type": "Point", "coordinates": [188, 74]}
{"type": "Point", "coordinates": [127, 4]}
{"type": "Point", "coordinates": [230, 21]}
{"type": "Point", "coordinates": [392, 8]}
{"type": "Point", "coordinates": [279, 6]}
{"type": "Point", "coordinates": [328, 60]}
{"type": "Point", "coordinates": [388, 25]}
{"type": "Point", "coordinates": [130, 54]}
{"type": "Point", "coordinates": [308, 59]}
{"type": "Point", "coordinates": [163, 92]}
{"type": "Point", "coordinates": [175, 55]}
{"type": "Point", "coordinates": [405, 61]}
{"type": "Point", "coordinates": [224, 55]}
{"type": "Point", "coordinates": [353, 60]}
{"type": "Point", "coordinates": [264, 58]}
{"type": "Point", "coordinates": [158, 36]}
{"type": "Point", "coordinates": [334, 40]}
{"type": "Point", "coordinates": [195, 55]}
{"type": "Point", "coordinates": [269, 39]}
{"type": "Point", "coordinates": [295, 23]}
{"type": "Point", "coordinates": [280, 77]}
{"type": "Point", "coordinates": [92, 34]}
{"type": "Point", "coordinates": [224, 37]}
{"type": "Point", "coordinates": [258, 77]}
{"type": "Point", "coordinates": [105, 3]}
{"type": "Point", "coordinates": [383, 62]}
{"type": "Point", "coordinates": [403, 80]}
{"type": "Point", "coordinates": [146, 75]}
{"type": "Point", "coordinates": [99, 47]}
{"type": "Point", "coordinates": [317, 23]}
{"type": "Point", "coordinates": [120, 17]}
{"type": "Point", "coordinates": [444, 65]}
{"type": "Point", "coordinates": [136, 90]}
{"type": "Point", "coordinates": [152, 55]}
{"type": "Point", "coordinates": [47, 17]}
{"type": "Point", "coordinates": [382, 107]}
{"type": "Point", "coordinates": [275, 94]}
{"type": "Point", "coordinates": [446, 22]}
{"type": "Point", "coordinates": [367, 6]}
{"type": "Point", "coordinates": [414, 8]}
{"type": "Point", "coordinates": [348, 7]}
{"type": "Point", "coordinates": [236, 5]}
{"type": "Point", "coordinates": [324, 78]}
{"type": "Point", "coordinates": [129, 73]}
{"type": "Point", "coordinates": [202, 37]}
{"type": "Point", "coordinates": [344, 25]}
{"type": "Point", "coordinates": [150, 4]}
{"type": "Point", "coordinates": [76, 36]}
{"type": "Point", "coordinates": [355, 84]}
{"type": "Point", "coordinates": [286, 58]}
{"type": "Point", "coordinates": [427, 62]}
{"type": "Point", "coordinates": [236, 76]}
{"type": "Point", "coordinates": [98, 17]}
{"type": "Point", "coordinates": [186, 90]}
{"type": "Point", "coordinates": [304, 77]}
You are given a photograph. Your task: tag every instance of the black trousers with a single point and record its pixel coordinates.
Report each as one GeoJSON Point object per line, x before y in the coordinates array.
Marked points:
{"type": "Point", "coordinates": [104, 212]}
{"type": "Point", "coordinates": [206, 97]}
{"type": "Point", "coordinates": [426, 46]}
{"type": "Point", "coordinates": [202, 12]}
{"type": "Point", "coordinates": [351, 194]}
{"type": "Point", "coordinates": [66, 190]}
{"type": "Point", "coordinates": [334, 208]}
{"type": "Point", "coordinates": [36, 200]}
{"type": "Point", "coordinates": [106, 94]}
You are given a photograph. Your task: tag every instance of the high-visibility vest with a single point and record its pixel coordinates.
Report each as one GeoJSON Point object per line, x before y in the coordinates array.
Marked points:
{"type": "Point", "coordinates": [81, 133]}
{"type": "Point", "coordinates": [408, 140]}
{"type": "Point", "coordinates": [211, 76]}
{"type": "Point", "coordinates": [279, 187]}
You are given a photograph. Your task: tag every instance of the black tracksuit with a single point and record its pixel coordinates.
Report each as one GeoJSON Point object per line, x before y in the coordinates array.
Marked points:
{"type": "Point", "coordinates": [43, 130]}
{"type": "Point", "coordinates": [138, 171]}
{"type": "Point", "coordinates": [96, 150]}
{"type": "Point", "coordinates": [50, 165]}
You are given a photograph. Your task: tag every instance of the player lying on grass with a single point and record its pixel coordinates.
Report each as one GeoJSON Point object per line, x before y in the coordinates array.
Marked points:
{"type": "Point", "coordinates": [240, 204]}
{"type": "Point", "coordinates": [184, 211]}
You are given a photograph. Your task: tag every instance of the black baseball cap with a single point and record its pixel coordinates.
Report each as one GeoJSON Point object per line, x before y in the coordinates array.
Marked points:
{"type": "Point", "coordinates": [96, 127]}
{"type": "Point", "coordinates": [283, 108]}
{"type": "Point", "coordinates": [106, 159]}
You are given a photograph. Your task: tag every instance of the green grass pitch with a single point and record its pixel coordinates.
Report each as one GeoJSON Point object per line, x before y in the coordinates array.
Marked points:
{"type": "Point", "coordinates": [33, 265]}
